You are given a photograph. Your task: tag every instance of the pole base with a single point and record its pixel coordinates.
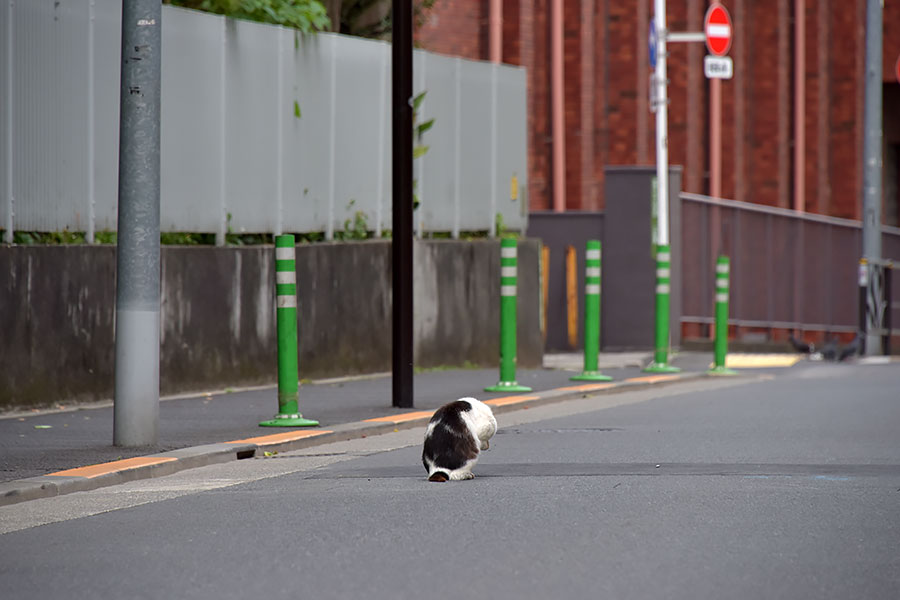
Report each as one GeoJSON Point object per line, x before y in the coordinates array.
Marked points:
{"type": "Point", "coordinates": [721, 371]}
{"type": "Point", "coordinates": [295, 420]}
{"type": "Point", "coordinates": [508, 386]}
{"type": "Point", "coordinates": [591, 376]}
{"type": "Point", "coordinates": [657, 367]}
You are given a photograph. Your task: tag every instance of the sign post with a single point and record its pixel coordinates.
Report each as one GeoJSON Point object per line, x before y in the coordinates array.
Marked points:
{"type": "Point", "coordinates": [717, 33]}
{"type": "Point", "coordinates": [660, 356]}
{"type": "Point", "coordinates": [717, 27]}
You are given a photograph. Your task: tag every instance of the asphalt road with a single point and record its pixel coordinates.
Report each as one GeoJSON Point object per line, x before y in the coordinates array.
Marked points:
{"type": "Point", "coordinates": [784, 488]}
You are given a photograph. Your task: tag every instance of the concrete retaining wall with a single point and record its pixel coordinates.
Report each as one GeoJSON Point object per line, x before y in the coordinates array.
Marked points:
{"type": "Point", "coordinates": [218, 321]}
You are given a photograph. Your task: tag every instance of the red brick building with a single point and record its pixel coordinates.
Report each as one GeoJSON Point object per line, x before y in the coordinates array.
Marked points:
{"type": "Point", "coordinates": [606, 80]}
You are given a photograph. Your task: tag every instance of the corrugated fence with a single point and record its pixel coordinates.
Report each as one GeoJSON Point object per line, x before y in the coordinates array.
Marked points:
{"type": "Point", "coordinates": [263, 130]}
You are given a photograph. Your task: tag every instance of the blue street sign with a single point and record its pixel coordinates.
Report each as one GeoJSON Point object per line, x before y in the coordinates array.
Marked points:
{"type": "Point", "coordinates": [652, 41]}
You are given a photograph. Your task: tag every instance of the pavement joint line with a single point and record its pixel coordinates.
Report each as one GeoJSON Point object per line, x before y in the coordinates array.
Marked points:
{"type": "Point", "coordinates": [166, 463]}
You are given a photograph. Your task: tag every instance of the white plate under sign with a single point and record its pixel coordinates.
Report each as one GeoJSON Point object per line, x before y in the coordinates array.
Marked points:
{"type": "Point", "coordinates": [718, 67]}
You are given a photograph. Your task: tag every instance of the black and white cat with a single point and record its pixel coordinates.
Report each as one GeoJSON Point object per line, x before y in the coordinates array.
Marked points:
{"type": "Point", "coordinates": [456, 435]}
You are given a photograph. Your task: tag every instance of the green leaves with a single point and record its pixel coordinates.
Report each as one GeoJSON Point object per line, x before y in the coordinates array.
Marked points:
{"type": "Point", "coordinates": [419, 149]}
{"type": "Point", "coordinates": [417, 102]}
{"type": "Point", "coordinates": [308, 16]}
{"type": "Point", "coordinates": [421, 129]}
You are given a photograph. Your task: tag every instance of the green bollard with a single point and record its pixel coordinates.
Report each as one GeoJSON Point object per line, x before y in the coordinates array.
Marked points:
{"type": "Point", "coordinates": [592, 315]}
{"type": "Point", "coordinates": [508, 381]}
{"type": "Point", "coordinates": [663, 278]}
{"type": "Point", "coordinates": [286, 317]}
{"type": "Point", "coordinates": [721, 343]}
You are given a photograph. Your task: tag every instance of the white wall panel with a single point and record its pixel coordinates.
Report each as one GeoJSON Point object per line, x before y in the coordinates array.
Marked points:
{"type": "Point", "coordinates": [193, 125]}
{"type": "Point", "coordinates": [231, 141]}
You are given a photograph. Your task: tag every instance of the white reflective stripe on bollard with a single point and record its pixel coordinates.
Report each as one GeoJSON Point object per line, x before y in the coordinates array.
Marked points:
{"type": "Point", "coordinates": [286, 301]}
{"type": "Point", "coordinates": [285, 277]}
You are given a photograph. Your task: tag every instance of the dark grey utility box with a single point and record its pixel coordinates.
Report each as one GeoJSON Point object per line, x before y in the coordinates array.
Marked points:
{"type": "Point", "coordinates": [628, 302]}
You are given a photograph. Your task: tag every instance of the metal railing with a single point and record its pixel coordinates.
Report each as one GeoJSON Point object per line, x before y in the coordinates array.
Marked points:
{"type": "Point", "coordinates": [789, 270]}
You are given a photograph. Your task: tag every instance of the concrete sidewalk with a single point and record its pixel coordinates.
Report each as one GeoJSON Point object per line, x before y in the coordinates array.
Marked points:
{"type": "Point", "coordinates": [57, 452]}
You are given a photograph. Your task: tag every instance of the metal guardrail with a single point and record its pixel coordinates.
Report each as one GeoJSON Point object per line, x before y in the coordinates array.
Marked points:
{"type": "Point", "coordinates": [790, 270]}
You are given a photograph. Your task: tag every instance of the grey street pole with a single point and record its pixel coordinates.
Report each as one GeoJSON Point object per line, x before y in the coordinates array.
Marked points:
{"type": "Point", "coordinates": [872, 169]}
{"type": "Point", "coordinates": [662, 248]}
{"type": "Point", "coordinates": [662, 125]}
{"type": "Point", "coordinates": [136, 411]}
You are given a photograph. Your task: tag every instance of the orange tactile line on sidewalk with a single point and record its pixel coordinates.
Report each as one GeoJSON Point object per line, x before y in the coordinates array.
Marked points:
{"type": "Point", "coordinates": [587, 387]}
{"type": "Point", "coordinates": [92, 471]}
{"type": "Point", "coordinates": [653, 378]}
{"type": "Point", "coordinates": [402, 418]}
{"type": "Point", "coordinates": [510, 400]}
{"type": "Point", "coordinates": [279, 438]}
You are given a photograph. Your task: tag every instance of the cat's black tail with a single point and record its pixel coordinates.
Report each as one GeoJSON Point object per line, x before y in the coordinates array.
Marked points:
{"type": "Point", "coordinates": [439, 476]}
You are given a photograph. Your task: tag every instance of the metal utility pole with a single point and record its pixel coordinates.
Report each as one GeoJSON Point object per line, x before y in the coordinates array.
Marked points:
{"type": "Point", "coordinates": [136, 412]}
{"type": "Point", "coordinates": [663, 250]}
{"type": "Point", "coordinates": [872, 168]}
{"type": "Point", "coordinates": [662, 125]}
{"type": "Point", "coordinates": [402, 242]}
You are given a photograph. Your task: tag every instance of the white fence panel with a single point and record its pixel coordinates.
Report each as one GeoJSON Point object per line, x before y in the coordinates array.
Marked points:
{"type": "Point", "coordinates": [192, 131]}
{"type": "Point", "coordinates": [6, 120]}
{"type": "Point", "coordinates": [436, 185]}
{"type": "Point", "coordinates": [360, 113]}
{"type": "Point", "coordinates": [307, 161]}
{"type": "Point", "coordinates": [235, 154]}
{"type": "Point", "coordinates": [251, 125]}
{"type": "Point", "coordinates": [512, 153]}
{"type": "Point", "coordinates": [106, 75]}
{"type": "Point", "coordinates": [476, 131]}
{"type": "Point", "coordinates": [49, 104]}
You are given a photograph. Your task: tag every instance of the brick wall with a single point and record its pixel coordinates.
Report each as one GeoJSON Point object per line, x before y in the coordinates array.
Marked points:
{"type": "Point", "coordinates": [457, 28]}
{"type": "Point", "coordinates": [606, 85]}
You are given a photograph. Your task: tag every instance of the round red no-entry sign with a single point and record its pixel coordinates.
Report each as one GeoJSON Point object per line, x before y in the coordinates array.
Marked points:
{"type": "Point", "coordinates": [717, 27]}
